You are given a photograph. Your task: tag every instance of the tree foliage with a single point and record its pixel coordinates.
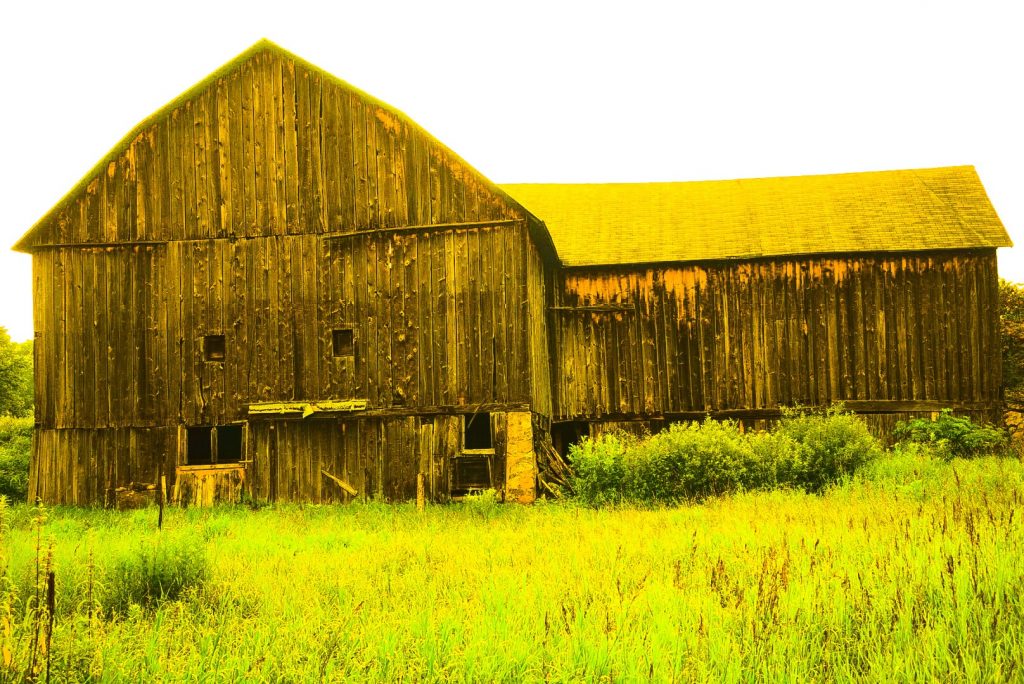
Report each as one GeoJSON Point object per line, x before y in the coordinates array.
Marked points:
{"type": "Point", "coordinates": [1011, 323]}
{"type": "Point", "coordinates": [16, 389]}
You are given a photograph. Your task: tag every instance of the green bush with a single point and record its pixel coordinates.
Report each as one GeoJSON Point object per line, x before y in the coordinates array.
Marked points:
{"type": "Point", "coordinates": [688, 461]}
{"type": "Point", "coordinates": [483, 503]}
{"type": "Point", "coordinates": [599, 468]}
{"type": "Point", "coordinates": [953, 436]}
{"type": "Point", "coordinates": [829, 445]}
{"type": "Point", "coordinates": [15, 454]}
{"type": "Point", "coordinates": [162, 568]}
{"type": "Point", "coordinates": [697, 460]}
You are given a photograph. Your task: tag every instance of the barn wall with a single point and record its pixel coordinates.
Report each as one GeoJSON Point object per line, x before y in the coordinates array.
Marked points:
{"type": "Point", "coordinates": [273, 148]}
{"type": "Point", "coordinates": [440, 318]}
{"type": "Point", "coordinates": [80, 466]}
{"type": "Point", "coordinates": [757, 335]}
{"type": "Point", "coordinates": [286, 460]}
{"type": "Point", "coordinates": [539, 280]}
{"type": "Point", "coordinates": [379, 457]}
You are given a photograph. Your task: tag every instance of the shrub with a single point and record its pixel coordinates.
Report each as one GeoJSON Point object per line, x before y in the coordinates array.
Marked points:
{"type": "Point", "coordinates": [688, 461]}
{"type": "Point", "coordinates": [830, 444]}
{"type": "Point", "coordinates": [599, 468]}
{"type": "Point", "coordinates": [15, 453]}
{"type": "Point", "coordinates": [953, 436]}
{"type": "Point", "coordinates": [697, 460]}
{"type": "Point", "coordinates": [160, 569]}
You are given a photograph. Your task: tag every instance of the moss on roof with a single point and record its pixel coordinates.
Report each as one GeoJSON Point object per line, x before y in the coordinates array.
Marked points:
{"type": "Point", "coordinates": [880, 211]}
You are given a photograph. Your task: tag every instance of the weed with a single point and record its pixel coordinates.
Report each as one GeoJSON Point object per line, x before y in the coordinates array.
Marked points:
{"type": "Point", "coordinates": [160, 568]}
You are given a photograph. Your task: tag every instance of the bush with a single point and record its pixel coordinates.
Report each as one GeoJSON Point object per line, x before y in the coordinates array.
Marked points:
{"type": "Point", "coordinates": [160, 569]}
{"type": "Point", "coordinates": [697, 460]}
{"type": "Point", "coordinates": [599, 468]}
{"type": "Point", "coordinates": [483, 503]}
{"type": "Point", "coordinates": [953, 436]}
{"type": "Point", "coordinates": [829, 445]}
{"type": "Point", "coordinates": [15, 454]}
{"type": "Point", "coordinates": [688, 461]}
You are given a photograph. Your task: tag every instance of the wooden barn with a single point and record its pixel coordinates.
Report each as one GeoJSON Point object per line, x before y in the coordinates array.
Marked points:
{"type": "Point", "coordinates": [280, 286]}
{"type": "Point", "coordinates": [735, 298]}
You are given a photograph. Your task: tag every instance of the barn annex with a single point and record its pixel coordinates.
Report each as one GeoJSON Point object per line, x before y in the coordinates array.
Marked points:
{"type": "Point", "coordinates": [280, 284]}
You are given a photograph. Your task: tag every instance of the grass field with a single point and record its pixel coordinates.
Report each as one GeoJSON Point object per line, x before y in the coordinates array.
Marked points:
{"type": "Point", "coordinates": [912, 571]}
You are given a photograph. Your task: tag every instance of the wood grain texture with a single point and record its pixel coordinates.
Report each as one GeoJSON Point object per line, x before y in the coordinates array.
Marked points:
{"type": "Point", "coordinates": [761, 334]}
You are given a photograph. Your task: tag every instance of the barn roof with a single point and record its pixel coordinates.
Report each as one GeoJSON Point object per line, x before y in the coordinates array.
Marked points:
{"type": "Point", "coordinates": [879, 211]}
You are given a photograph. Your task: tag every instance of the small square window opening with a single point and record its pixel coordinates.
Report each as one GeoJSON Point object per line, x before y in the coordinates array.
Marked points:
{"type": "Point", "coordinates": [213, 444]}
{"type": "Point", "coordinates": [344, 342]}
{"type": "Point", "coordinates": [213, 347]}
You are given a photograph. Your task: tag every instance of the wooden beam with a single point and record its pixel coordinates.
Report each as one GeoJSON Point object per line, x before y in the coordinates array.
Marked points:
{"type": "Point", "coordinates": [306, 408]}
{"type": "Point", "coordinates": [859, 406]}
{"type": "Point", "coordinates": [422, 228]}
{"type": "Point", "coordinates": [394, 412]}
{"type": "Point", "coordinates": [341, 483]}
{"type": "Point", "coordinates": [102, 245]}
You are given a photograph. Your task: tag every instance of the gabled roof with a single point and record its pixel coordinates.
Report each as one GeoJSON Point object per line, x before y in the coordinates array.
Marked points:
{"type": "Point", "coordinates": [880, 211]}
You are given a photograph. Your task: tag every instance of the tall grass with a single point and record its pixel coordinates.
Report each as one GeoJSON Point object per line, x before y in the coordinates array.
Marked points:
{"type": "Point", "coordinates": [910, 569]}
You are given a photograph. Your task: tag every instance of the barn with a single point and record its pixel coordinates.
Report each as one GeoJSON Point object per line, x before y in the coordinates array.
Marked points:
{"type": "Point", "coordinates": [280, 287]}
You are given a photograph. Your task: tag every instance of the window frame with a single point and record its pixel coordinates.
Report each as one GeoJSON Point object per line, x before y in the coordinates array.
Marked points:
{"type": "Point", "coordinates": [215, 462]}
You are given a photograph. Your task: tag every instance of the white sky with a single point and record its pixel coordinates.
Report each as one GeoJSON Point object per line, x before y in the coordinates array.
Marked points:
{"type": "Point", "coordinates": [545, 91]}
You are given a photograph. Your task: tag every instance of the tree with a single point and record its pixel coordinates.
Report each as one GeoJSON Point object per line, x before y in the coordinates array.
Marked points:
{"type": "Point", "coordinates": [16, 388]}
{"type": "Point", "coordinates": [1011, 323]}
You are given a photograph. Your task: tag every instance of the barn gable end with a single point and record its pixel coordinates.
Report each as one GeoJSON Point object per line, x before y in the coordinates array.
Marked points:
{"type": "Point", "coordinates": [276, 238]}
{"type": "Point", "coordinates": [272, 145]}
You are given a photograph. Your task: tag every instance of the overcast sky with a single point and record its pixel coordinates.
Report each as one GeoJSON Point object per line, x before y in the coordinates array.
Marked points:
{"type": "Point", "coordinates": [545, 91]}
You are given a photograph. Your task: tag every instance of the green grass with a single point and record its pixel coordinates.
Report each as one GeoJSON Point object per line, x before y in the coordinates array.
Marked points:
{"type": "Point", "coordinates": [911, 570]}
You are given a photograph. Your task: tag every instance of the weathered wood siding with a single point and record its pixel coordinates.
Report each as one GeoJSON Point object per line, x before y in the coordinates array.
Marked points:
{"type": "Point", "coordinates": [539, 281]}
{"type": "Point", "coordinates": [760, 334]}
{"type": "Point", "coordinates": [379, 457]}
{"type": "Point", "coordinates": [440, 318]}
{"type": "Point", "coordinates": [79, 466]}
{"type": "Point", "coordinates": [274, 205]}
{"type": "Point", "coordinates": [273, 148]}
